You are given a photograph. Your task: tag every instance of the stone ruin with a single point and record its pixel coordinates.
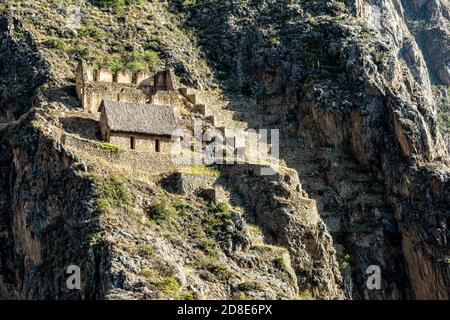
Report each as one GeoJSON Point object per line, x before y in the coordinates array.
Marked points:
{"type": "Point", "coordinates": [94, 86]}
{"type": "Point", "coordinates": [137, 89]}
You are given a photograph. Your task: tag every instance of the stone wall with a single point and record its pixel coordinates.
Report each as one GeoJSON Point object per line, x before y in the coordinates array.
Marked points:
{"type": "Point", "coordinates": [198, 97]}
{"type": "Point", "coordinates": [169, 98]}
{"type": "Point", "coordinates": [120, 141]}
{"type": "Point", "coordinates": [104, 126]}
{"type": "Point", "coordinates": [94, 86]}
{"type": "Point", "coordinates": [96, 92]}
{"type": "Point", "coordinates": [142, 142]}
{"type": "Point", "coordinates": [185, 183]}
{"type": "Point", "coordinates": [138, 160]}
{"type": "Point", "coordinates": [165, 80]}
{"type": "Point", "coordinates": [124, 76]}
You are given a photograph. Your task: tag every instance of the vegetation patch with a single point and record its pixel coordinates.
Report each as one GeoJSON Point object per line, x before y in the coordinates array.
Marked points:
{"type": "Point", "coordinates": [185, 296]}
{"type": "Point", "coordinates": [209, 247]}
{"type": "Point", "coordinates": [218, 217]}
{"type": "Point", "coordinates": [146, 251]}
{"type": "Point", "coordinates": [215, 270]}
{"type": "Point", "coordinates": [56, 43]}
{"type": "Point", "coordinates": [150, 275]}
{"type": "Point", "coordinates": [111, 192]}
{"type": "Point", "coordinates": [283, 270]}
{"type": "Point", "coordinates": [250, 286]}
{"type": "Point", "coordinates": [133, 61]}
{"type": "Point", "coordinates": [162, 210]}
{"type": "Point", "coordinates": [108, 146]}
{"type": "Point", "coordinates": [164, 281]}
{"type": "Point", "coordinates": [240, 296]}
{"type": "Point", "coordinates": [209, 170]}
{"type": "Point", "coordinates": [170, 285]}
{"type": "Point", "coordinates": [95, 240]}
{"type": "Point", "coordinates": [116, 5]}
{"type": "Point", "coordinates": [343, 260]}
{"type": "Point", "coordinates": [255, 228]}
{"type": "Point", "coordinates": [306, 295]}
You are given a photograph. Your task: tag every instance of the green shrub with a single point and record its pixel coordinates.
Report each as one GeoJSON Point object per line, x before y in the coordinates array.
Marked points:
{"type": "Point", "coordinates": [220, 270]}
{"type": "Point", "coordinates": [250, 286]}
{"type": "Point", "coordinates": [95, 240]}
{"type": "Point", "coordinates": [136, 65]}
{"type": "Point", "coordinates": [209, 247]}
{"type": "Point", "coordinates": [339, 6]}
{"type": "Point", "coordinates": [93, 31]}
{"type": "Point", "coordinates": [108, 146]}
{"type": "Point", "coordinates": [150, 275]}
{"type": "Point", "coordinates": [146, 251]}
{"type": "Point", "coordinates": [111, 192]}
{"type": "Point", "coordinates": [218, 217]}
{"type": "Point", "coordinates": [185, 296]}
{"type": "Point", "coordinates": [306, 295]}
{"type": "Point", "coordinates": [141, 60]}
{"type": "Point", "coordinates": [133, 61]}
{"type": "Point", "coordinates": [130, 2]}
{"type": "Point", "coordinates": [113, 63]}
{"type": "Point", "coordinates": [283, 270]}
{"type": "Point", "coordinates": [240, 296]}
{"type": "Point", "coordinates": [186, 4]}
{"type": "Point", "coordinates": [170, 285]}
{"type": "Point", "coordinates": [221, 209]}
{"type": "Point", "coordinates": [113, 4]}
{"type": "Point", "coordinates": [56, 43]}
{"type": "Point", "coordinates": [161, 210]}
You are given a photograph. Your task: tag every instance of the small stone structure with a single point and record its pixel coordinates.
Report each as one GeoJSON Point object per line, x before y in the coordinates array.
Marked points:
{"type": "Point", "coordinates": [186, 183]}
{"type": "Point", "coordinates": [138, 126]}
{"type": "Point", "coordinates": [138, 110]}
{"type": "Point", "coordinates": [95, 86]}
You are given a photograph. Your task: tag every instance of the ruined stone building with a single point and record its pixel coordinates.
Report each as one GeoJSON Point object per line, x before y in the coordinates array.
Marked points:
{"type": "Point", "coordinates": [137, 110]}
{"type": "Point", "coordinates": [138, 126]}
{"type": "Point", "coordinates": [94, 86]}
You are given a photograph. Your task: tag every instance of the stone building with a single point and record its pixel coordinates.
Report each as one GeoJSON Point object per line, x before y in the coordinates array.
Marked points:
{"type": "Point", "coordinates": [94, 86]}
{"type": "Point", "coordinates": [138, 126]}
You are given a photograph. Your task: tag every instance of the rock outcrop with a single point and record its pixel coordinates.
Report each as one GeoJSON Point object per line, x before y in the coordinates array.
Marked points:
{"type": "Point", "coordinates": [352, 87]}
{"type": "Point", "coordinates": [359, 120]}
{"type": "Point", "coordinates": [47, 218]}
{"type": "Point", "coordinates": [22, 68]}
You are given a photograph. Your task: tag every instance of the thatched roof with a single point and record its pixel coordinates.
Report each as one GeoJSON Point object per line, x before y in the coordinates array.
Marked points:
{"type": "Point", "coordinates": [127, 117]}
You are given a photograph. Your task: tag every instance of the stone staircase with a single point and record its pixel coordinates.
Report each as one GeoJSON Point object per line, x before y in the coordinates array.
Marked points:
{"type": "Point", "coordinates": [214, 108]}
{"type": "Point", "coordinates": [328, 175]}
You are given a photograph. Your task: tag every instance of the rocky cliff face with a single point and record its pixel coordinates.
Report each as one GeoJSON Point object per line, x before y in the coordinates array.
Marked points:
{"type": "Point", "coordinates": [429, 22]}
{"type": "Point", "coordinates": [356, 105]}
{"type": "Point", "coordinates": [356, 88]}
{"type": "Point", "coordinates": [47, 219]}
{"type": "Point", "coordinates": [22, 68]}
{"type": "Point", "coordinates": [130, 238]}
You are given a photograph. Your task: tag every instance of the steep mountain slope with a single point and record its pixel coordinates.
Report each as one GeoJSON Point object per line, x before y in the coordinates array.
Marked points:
{"type": "Point", "coordinates": [343, 90]}
{"type": "Point", "coordinates": [132, 238]}
{"type": "Point", "coordinates": [355, 99]}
